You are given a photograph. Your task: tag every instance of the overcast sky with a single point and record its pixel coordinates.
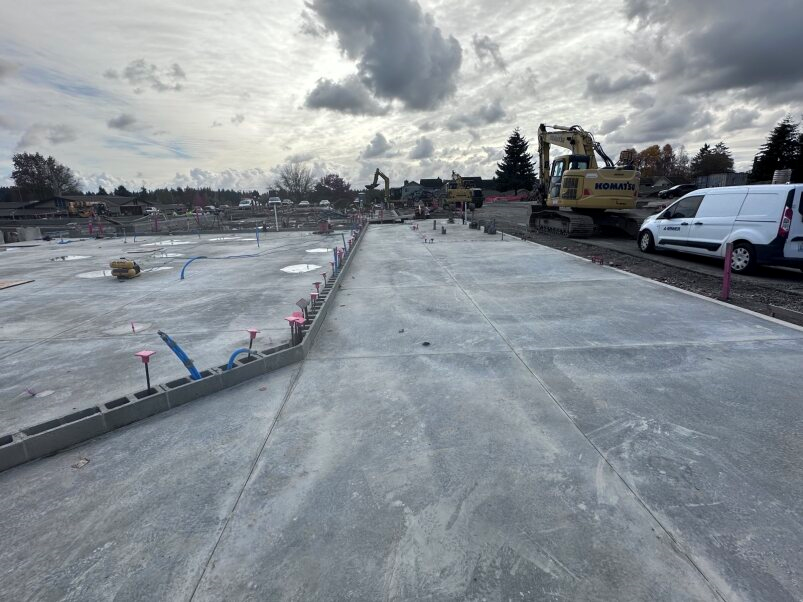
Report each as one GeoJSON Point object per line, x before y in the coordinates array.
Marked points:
{"type": "Point", "coordinates": [221, 93]}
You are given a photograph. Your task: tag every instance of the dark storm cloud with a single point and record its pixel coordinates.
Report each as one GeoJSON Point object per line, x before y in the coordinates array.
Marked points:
{"type": "Point", "coordinates": [740, 119]}
{"type": "Point", "coordinates": [484, 115]}
{"type": "Point", "coordinates": [379, 146]}
{"type": "Point", "coordinates": [124, 121]}
{"type": "Point", "coordinates": [349, 96]}
{"type": "Point", "coordinates": [139, 73]}
{"type": "Point", "coordinates": [611, 125]}
{"type": "Point", "coordinates": [600, 86]}
{"type": "Point", "coordinates": [39, 134]}
{"type": "Point", "coordinates": [668, 120]}
{"type": "Point", "coordinates": [723, 44]}
{"type": "Point", "coordinates": [423, 149]}
{"type": "Point", "coordinates": [488, 52]}
{"type": "Point", "coordinates": [399, 52]}
{"type": "Point", "coordinates": [642, 100]}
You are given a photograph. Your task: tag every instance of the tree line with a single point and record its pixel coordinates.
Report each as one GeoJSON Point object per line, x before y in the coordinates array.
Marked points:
{"type": "Point", "coordinates": [37, 177]}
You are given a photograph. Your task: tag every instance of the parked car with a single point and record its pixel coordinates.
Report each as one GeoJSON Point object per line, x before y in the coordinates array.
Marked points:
{"type": "Point", "coordinates": [151, 211]}
{"type": "Point", "coordinates": [304, 204]}
{"type": "Point", "coordinates": [246, 204]}
{"type": "Point", "coordinates": [764, 223]}
{"type": "Point", "coordinates": [287, 203]}
{"type": "Point", "coordinates": [325, 203]}
{"type": "Point", "coordinates": [274, 201]}
{"type": "Point", "coordinates": [676, 191]}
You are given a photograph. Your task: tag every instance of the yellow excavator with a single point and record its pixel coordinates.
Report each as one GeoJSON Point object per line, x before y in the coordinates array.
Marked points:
{"type": "Point", "coordinates": [576, 182]}
{"type": "Point", "coordinates": [378, 175]}
{"type": "Point", "coordinates": [458, 192]}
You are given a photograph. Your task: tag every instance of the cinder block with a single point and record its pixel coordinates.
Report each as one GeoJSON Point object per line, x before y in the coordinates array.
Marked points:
{"type": "Point", "coordinates": [12, 452]}
{"type": "Point", "coordinates": [45, 439]}
{"type": "Point", "coordinates": [181, 394]}
{"type": "Point", "coordinates": [126, 410]}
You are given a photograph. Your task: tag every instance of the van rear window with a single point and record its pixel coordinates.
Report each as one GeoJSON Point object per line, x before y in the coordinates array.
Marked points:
{"type": "Point", "coordinates": [763, 206]}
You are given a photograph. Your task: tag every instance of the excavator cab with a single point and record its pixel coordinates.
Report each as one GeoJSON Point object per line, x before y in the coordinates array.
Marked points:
{"type": "Point", "coordinates": [562, 165]}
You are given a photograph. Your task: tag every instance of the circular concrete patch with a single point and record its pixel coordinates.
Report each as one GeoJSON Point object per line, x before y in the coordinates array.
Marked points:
{"type": "Point", "coordinates": [301, 268]}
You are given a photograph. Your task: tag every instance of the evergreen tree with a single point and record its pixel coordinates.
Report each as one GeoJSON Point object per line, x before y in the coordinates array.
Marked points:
{"type": "Point", "coordinates": [709, 160]}
{"type": "Point", "coordinates": [516, 170]}
{"type": "Point", "coordinates": [781, 151]}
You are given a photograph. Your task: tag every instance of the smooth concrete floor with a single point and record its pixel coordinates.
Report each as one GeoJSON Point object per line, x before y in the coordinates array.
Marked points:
{"type": "Point", "coordinates": [479, 420]}
{"type": "Point", "coordinates": [66, 342]}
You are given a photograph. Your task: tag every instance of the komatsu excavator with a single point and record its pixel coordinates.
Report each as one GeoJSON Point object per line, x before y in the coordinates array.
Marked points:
{"type": "Point", "coordinates": [378, 174]}
{"type": "Point", "coordinates": [576, 182]}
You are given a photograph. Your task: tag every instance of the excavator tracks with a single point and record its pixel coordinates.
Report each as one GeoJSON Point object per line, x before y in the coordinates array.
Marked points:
{"type": "Point", "coordinates": [564, 223]}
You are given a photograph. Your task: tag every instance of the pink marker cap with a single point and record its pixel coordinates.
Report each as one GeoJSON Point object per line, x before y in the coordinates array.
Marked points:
{"type": "Point", "coordinates": [145, 355]}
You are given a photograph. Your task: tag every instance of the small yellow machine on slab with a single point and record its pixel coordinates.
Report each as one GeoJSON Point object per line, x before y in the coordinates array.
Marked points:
{"type": "Point", "coordinates": [124, 269]}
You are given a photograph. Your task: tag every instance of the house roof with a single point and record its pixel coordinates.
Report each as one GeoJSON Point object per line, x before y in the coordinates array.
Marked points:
{"type": "Point", "coordinates": [431, 182]}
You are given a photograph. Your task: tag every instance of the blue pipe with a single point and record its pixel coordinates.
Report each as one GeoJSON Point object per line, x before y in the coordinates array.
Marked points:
{"type": "Point", "coordinates": [194, 374]}
{"type": "Point", "coordinates": [234, 356]}
{"type": "Point", "coordinates": [188, 263]}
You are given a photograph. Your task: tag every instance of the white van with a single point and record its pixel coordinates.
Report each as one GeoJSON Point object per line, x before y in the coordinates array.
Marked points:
{"type": "Point", "coordinates": [764, 223]}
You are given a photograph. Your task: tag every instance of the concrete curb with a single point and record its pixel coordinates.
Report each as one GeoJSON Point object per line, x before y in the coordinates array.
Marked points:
{"type": "Point", "coordinates": [61, 433]}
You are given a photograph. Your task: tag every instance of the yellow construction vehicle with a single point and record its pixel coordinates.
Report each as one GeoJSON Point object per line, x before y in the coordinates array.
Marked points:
{"type": "Point", "coordinates": [124, 269]}
{"type": "Point", "coordinates": [576, 182]}
{"type": "Point", "coordinates": [378, 175]}
{"type": "Point", "coordinates": [457, 193]}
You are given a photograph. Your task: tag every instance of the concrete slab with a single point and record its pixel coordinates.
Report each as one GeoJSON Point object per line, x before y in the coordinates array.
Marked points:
{"type": "Point", "coordinates": [546, 315]}
{"type": "Point", "coordinates": [562, 459]}
{"type": "Point", "coordinates": [709, 436]}
{"type": "Point", "coordinates": [71, 336]}
{"type": "Point", "coordinates": [450, 479]}
{"type": "Point", "coordinates": [139, 520]}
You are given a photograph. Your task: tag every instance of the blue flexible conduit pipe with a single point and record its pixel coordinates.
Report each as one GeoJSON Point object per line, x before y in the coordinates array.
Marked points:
{"type": "Point", "coordinates": [234, 356]}
{"type": "Point", "coordinates": [189, 261]}
{"type": "Point", "coordinates": [194, 374]}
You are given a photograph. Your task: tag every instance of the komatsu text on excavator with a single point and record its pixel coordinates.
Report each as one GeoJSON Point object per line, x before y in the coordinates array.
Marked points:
{"type": "Point", "coordinates": [576, 182]}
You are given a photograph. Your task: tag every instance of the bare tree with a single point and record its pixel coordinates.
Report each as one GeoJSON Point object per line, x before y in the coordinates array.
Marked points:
{"type": "Point", "coordinates": [296, 179]}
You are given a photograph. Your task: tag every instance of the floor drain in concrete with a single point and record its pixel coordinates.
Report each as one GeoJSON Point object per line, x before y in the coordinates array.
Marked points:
{"type": "Point", "coordinates": [425, 343]}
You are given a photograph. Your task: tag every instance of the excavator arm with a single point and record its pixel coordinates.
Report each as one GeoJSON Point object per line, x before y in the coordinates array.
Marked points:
{"type": "Point", "coordinates": [378, 174]}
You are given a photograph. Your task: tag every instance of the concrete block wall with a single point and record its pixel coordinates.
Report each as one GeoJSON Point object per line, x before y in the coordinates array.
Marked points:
{"type": "Point", "coordinates": [61, 433]}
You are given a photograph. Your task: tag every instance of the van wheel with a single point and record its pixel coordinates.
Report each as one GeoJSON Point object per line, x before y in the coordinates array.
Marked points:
{"type": "Point", "coordinates": [645, 242]}
{"type": "Point", "coordinates": [743, 258]}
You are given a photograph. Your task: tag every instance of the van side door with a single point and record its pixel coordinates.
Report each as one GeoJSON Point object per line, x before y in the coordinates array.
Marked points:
{"type": "Point", "coordinates": [714, 221]}
{"type": "Point", "coordinates": [673, 229]}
